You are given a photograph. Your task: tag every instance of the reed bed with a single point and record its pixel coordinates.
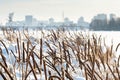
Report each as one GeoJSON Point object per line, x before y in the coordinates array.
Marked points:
{"type": "Point", "coordinates": [56, 55]}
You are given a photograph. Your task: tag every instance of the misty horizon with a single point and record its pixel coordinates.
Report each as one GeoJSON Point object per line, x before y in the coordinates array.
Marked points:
{"type": "Point", "coordinates": [44, 9]}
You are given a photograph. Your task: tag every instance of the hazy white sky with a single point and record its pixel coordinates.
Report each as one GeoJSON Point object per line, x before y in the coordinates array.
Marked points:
{"type": "Point", "coordinates": [44, 9]}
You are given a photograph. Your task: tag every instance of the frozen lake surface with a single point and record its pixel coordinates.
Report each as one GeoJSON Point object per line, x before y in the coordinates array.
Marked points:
{"type": "Point", "coordinates": [110, 38]}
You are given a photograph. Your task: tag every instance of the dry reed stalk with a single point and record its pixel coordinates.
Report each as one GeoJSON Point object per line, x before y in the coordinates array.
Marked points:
{"type": "Point", "coordinates": [69, 65]}
{"type": "Point", "coordinates": [117, 47]}
{"type": "Point", "coordinates": [86, 77]}
{"type": "Point", "coordinates": [52, 66]}
{"type": "Point", "coordinates": [27, 48]}
{"type": "Point", "coordinates": [118, 63]}
{"type": "Point", "coordinates": [28, 59]}
{"type": "Point", "coordinates": [27, 74]}
{"type": "Point", "coordinates": [49, 47]}
{"type": "Point", "coordinates": [22, 72]}
{"type": "Point", "coordinates": [35, 54]}
{"type": "Point", "coordinates": [26, 62]}
{"type": "Point", "coordinates": [102, 61]}
{"type": "Point", "coordinates": [61, 62]}
{"type": "Point", "coordinates": [13, 54]}
{"type": "Point", "coordinates": [49, 65]}
{"type": "Point", "coordinates": [90, 59]}
{"type": "Point", "coordinates": [61, 55]}
{"type": "Point", "coordinates": [15, 58]}
{"type": "Point", "coordinates": [93, 62]}
{"type": "Point", "coordinates": [98, 75]}
{"type": "Point", "coordinates": [112, 72]}
{"type": "Point", "coordinates": [23, 53]}
{"type": "Point", "coordinates": [65, 55]}
{"type": "Point", "coordinates": [33, 59]}
{"type": "Point", "coordinates": [73, 51]}
{"type": "Point", "coordinates": [5, 47]}
{"type": "Point", "coordinates": [117, 70]}
{"type": "Point", "coordinates": [19, 36]}
{"type": "Point", "coordinates": [68, 75]}
{"type": "Point", "coordinates": [3, 76]}
{"type": "Point", "coordinates": [31, 52]}
{"type": "Point", "coordinates": [33, 70]}
{"type": "Point", "coordinates": [106, 76]}
{"type": "Point", "coordinates": [52, 77]}
{"type": "Point", "coordinates": [107, 54]}
{"type": "Point", "coordinates": [87, 70]}
{"type": "Point", "coordinates": [98, 65]}
{"type": "Point", "coordinates": [90, 73]}
{"type": "Point", "coordinates": [54, 35]}
{"type": "Point", "coordinates": [37, 66]}
{"type": "Point", "coordinates": [85, 49]}
{"type": "Point", "coordinates": [28, 38]}
{"type": "Point", "coordinates": [88, 47]}
{"type": "Point", "coordinates": [63, 73]}
{"type": "Point", "coordinates": [111, 51]}
{"type": "Point", "coordinates": [45, 71]}
{"type": "Point", "coordinates": [41, 46]}
{"type": "Point", "coordinates": [79, 60]}
{"type": "Point", "coordinates": [7, 71]}
{"type": "Point", "coordinates": [3, 58]}
{"type": "Point", "coordinates": [69, 58]}
{"type": "Point", "coordinates": [18, 47]}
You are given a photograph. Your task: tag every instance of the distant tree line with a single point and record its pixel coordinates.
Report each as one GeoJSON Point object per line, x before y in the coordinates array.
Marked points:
{"type": "Point", "coordinates": [107, 25]}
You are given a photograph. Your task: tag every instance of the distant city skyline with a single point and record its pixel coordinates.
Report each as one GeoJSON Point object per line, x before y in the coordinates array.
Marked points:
{"type": "Point", "coordinates": [45, 9]}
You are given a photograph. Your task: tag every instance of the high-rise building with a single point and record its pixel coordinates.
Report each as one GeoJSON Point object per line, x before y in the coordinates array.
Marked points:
{"type": "Point", "coordinates": [28, 19]}
{"type": "Point", "coordinates": [112, 16]}
{"type": "Point", "coordinates": [51, 20]}
{"type": "Point", "coordinates": [82, 24]}
{"type": "Point", "coordinates": [100, 17]}
{"type": "Point", "coordinates": [80, 20]}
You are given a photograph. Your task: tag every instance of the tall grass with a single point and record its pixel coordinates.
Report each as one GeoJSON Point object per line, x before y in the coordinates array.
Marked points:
{"type": "Point", "coordinates": [60, 55]}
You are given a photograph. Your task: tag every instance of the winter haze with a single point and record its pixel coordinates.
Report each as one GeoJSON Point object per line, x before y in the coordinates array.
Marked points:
{"type": "Point", "coordinates": [44, 9]}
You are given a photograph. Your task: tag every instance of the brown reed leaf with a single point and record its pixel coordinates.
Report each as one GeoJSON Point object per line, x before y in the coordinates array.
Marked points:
{"type": "Point", "coordinates": [118, 72]}
{"type": "Point", "coordinates": [45, 71]}
{"type": "Point", "coordinates": [93, 67]}
{"type": "Point", "coordinates": [31, 52]}
{"type": "Point", "coordinates": [90, 72]}
{"type": "Point", "coordinates": [33, 70]}
{"type": "Point", "coordinates": [107, 76]}
{"type": "Point", "coordinates": [118, 61]}
{"type": "Point", "coordinates": [117, 47]}
{"type": "Point", "coordinates": [3, 58]}
{"type": "Point", "coordinates": [27, 74]}
{"type": "Point", "coordinates": [112, 72]}
{"type": "Point", "coordinates": [3, 76]}
{"type": "Point", "coordinates": [5, 47]}
{"type": "Point", "coordinates": [68, 75]}
{"type": "Point", "coordinates": [7, 71]}
{"type": "Point", "coordinates": [52, 66]}
{"type": "Point", "coordinates": [86, 77]}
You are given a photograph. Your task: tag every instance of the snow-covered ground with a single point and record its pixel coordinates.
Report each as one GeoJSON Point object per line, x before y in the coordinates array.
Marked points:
{"type": "Point", "coordinates": [110, 37]}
